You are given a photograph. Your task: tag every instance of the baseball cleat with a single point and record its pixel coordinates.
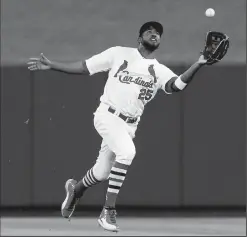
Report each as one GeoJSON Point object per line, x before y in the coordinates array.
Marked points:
{"type": "Point", "coordinates": [68, 206]}
{"type": "Point", "coordinates": [107, 219]}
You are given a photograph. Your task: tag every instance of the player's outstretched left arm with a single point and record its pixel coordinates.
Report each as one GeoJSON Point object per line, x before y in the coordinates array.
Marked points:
{"type": "Point", "coordinates": [188, 75]}
{"type": "Point", "coordinates": [177, 84]}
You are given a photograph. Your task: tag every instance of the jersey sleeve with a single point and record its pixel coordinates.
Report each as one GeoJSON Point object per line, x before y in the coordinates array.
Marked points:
{"type": "Point", "coordinates": [102, 61]}
{"type": "Point", "coordinates": [165, 75]}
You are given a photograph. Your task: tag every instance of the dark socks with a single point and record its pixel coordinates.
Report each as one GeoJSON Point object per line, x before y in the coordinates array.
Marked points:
{"type": "Point", "coordinates": [88, 181]}
{"type": "Point", "coordinates": [116, 180]}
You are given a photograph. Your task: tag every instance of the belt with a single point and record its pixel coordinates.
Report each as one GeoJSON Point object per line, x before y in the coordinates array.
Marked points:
{"type": "Point", "coordinates": [123, 117]}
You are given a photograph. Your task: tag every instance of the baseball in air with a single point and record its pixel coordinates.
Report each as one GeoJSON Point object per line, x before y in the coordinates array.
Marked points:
{"type": "Point", "coordinates": [210, 12]}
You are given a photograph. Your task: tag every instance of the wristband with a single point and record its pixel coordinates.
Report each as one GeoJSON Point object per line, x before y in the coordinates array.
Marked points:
{"type": "Point", "coordinates": [179, 83]}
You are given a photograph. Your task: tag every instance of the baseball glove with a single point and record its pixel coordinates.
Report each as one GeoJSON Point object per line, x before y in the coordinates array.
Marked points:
{"type": "Point", "coordinates": [216, 46]}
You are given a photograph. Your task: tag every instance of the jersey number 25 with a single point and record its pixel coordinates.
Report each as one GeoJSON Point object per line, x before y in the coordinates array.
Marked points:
{"type": "Point", "coordinates": [145, 94]}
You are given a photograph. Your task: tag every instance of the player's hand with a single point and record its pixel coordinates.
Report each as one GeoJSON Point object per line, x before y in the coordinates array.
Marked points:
{"type": "Point", "coordinates": [41, 63]}
{"type": "Point", "coordinates": [202, 60]}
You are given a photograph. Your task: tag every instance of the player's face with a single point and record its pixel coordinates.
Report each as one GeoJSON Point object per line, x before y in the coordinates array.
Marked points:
{"type": "Point", "coordinates": [150, 39]}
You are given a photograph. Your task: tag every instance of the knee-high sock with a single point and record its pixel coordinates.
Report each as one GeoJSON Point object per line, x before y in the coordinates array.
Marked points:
{"type": "Point", "coordinates": [116, 180]}
{"type": "Point", "coordinates": [88, 181]}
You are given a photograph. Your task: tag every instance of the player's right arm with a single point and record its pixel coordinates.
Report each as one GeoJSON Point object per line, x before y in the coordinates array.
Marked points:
{"type": "Point", "coordinates": [98, 63]}
{"type": "Point", "coordinates": [43, 63]}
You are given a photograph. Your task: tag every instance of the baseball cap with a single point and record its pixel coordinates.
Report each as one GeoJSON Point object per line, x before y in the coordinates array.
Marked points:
{"type": "Point", "coordinates": [156, 25]}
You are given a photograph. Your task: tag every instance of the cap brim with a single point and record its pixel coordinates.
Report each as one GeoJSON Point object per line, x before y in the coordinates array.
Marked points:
{"type": "Point", "coordinates": [156, 25]}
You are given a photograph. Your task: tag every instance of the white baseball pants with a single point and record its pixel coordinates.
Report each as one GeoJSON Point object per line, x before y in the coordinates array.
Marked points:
{"type": "Point", "coordinates": [117, 141]}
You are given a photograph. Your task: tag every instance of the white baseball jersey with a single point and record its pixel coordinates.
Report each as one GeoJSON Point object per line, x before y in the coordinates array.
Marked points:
{"type": "Point", "coordinates": [132, 82]}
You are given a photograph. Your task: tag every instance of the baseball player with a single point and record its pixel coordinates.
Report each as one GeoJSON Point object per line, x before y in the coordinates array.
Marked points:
{"type": "Point", "coordinates": [134, 78]}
